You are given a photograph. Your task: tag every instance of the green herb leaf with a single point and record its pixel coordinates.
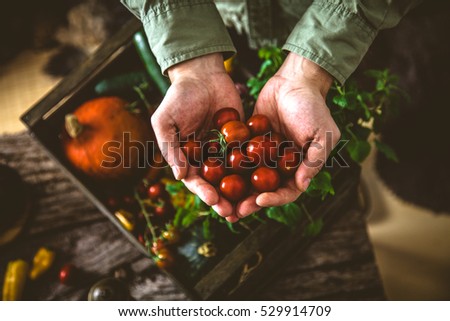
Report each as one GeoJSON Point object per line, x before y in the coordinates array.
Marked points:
{"type": "Point", "coordinates": [358, 149]}
{"type": "Point", "coordinates": [386, 150]}
{"type": "Point", "coordinates": [340, 100]}
{"type": "Point", "coordinates": [321, 185]}
{"type": "Point", "coordinates": [206, 228]}
{"type": "Point", "coordinates": [189, 218]}
{"type": "Point", "coordinates": [179, 215]}
{"type": "Point", "coordinates": [313, 228]}
{"type": "Point", "coordinates": [231, 227]}
{"type": "Point", "coordinates": [175, 187]}
{"type": "Point", "coordinates": [288, 214]}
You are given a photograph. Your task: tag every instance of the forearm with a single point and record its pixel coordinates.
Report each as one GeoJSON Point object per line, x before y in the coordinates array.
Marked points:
{"type": "Point", "coordinates": [204, 65]}
{"type": "Point", "coordinates": [306, 73]}
{"type": "Point", "coordinates": [337, 34]}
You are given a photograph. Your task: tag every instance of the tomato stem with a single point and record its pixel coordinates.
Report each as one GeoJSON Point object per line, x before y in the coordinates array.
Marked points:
{"type": "Point", "coordinates": [146, 215]}
{"type": "Point", "coordinates": [310, 219]}
{"type": "Point", "coordinates": [221, 140]}
{"type": "Point", "coordinates": [73, 126]}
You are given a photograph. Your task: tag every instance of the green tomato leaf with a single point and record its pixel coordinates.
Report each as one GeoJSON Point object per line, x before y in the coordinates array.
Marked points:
{"type": "Point", "coordinates": [321, 185]}
{"type": "Point", "coordinates": [206, 228]}
{"type": "Point", "coordinates": [179, 215]}
{"type": "Point", "coordinates": [189, 218]}
{"type": "Point", "coordinates": [313, 228]}
{"type": "Point", "coordinates": [231, 227]}
{"type": "Point", "coordinates": [175, 187]}
{"type": "Point", "coordinates": [358, 149]}
{"type": "Point", "coordinates": [341, 101]}
{"type": "Point", "coordinates": [288, 214]}
{"type": "Point", "coordinates": [386, 150]}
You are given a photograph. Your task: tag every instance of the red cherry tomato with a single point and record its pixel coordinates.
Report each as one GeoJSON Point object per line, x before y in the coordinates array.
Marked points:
{"type": "Point", "coordinates": [213, 170]}
{"type": "Point", "coordinates": [289, 161]}
{"type": "Point", "coordinates": [235, 132]}
{"type": "Point", "coordinates": [223, 116]}
{"type": "Point", "coordinates": [265, 179]}
{"type": "Point", "coordinates": [193, 151]}
{"type": "Point", "coordinates": [157, 246]}
{"type": "Point", "coordinates": [259, 125]}
{"type": "Point", "coordinates": [262, 151]}
{"type": "Point", "coordinates": [113, 202]}
{"type": "Point", "coordinates": [171, 235]}
{"type": "Point", "coordinates": [164, 259]}
{"type": "Point", "coordinates": [69, 274]}
{"type": "Point", "coordinates": [165, 210]}
{"type": "Point", "coordinates": [238, 162]}
{"type": "Point", "coordinates": [157, 191]}
{"type": "Point", "coordinates": [233, 187]}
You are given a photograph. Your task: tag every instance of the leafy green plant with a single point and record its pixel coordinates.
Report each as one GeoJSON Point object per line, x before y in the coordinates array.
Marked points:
{"type": "Point", "coordinates": [358, 112]}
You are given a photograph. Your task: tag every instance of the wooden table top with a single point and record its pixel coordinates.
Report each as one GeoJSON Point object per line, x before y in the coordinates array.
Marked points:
{"type": "Point", "coordinates": [338, 265]}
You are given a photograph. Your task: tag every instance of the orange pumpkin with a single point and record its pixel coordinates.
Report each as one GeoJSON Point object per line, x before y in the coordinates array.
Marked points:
{"type": "Point", "coordinates": [107, 141]}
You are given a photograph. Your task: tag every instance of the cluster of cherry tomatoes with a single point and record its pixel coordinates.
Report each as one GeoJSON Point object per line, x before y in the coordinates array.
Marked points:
{"type": "Point", "coordinates": [159, 210]}
{"type": "Point", "coordinates": [243, 158]}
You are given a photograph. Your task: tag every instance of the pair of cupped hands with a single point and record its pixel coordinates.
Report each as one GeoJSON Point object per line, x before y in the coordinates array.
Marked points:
{"type": "Point", "coordinates": [293, 99]}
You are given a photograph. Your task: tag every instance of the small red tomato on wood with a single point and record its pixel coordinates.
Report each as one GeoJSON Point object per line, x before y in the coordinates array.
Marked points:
{"type": "Point", "coordinates": [289, 161]}
{"type": "Point", "coordinates": [69, 274]}
{"type": "Point", "coordinates": [235, 133]}
{"type": "Point", "coordinates": [265, 179]}
{"type": "Point", "coordinates": [193, 151]}
{"type": "Point", "coordinates": [259, 125]}
{"type": "Point", "coordinates": [233, 187]}
{"type": "Point", "coordinates": [224, 115]}
{"type": "Point", "coordinates": [213, 170]}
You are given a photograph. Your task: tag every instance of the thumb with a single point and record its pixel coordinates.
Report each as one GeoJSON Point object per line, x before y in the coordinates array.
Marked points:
{"type": "Point", "coordinates": [168, 141]}
{"type": "Point", "coordinates": [312, 163]}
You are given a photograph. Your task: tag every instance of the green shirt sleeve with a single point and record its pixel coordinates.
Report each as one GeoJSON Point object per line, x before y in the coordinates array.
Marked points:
{"type": "Point", "coordinates": [179, 30]}
{"type": "Point", "coordinates": [336, 34]}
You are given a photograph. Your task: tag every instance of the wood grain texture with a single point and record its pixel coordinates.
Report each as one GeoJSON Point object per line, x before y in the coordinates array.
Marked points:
{"type": "Point", "coordinates": [338, 265]}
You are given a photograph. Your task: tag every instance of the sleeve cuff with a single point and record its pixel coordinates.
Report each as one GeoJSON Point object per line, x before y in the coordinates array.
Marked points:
{"type": "Point", "coordinates": [182, 30]}
{"type": "Point", "coordinates": [333, 37]}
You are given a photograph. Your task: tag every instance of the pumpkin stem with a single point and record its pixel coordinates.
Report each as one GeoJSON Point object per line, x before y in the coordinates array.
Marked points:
{"type": "Point", "coordinates": [73, 126]}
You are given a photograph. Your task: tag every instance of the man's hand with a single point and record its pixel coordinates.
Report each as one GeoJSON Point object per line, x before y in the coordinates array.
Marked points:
{"type": "Point", "coordinates": [294, 101]}
{"type": "Point", "coordinates": [200, 87]}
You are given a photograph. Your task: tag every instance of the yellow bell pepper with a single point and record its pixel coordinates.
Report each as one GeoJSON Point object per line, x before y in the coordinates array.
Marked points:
{"type": "Point", "coordinates": [126, 219]}
{"type": "Point", "coordinates": [15, 278]}
{"type": "Point", "coordinates": [42, 261]}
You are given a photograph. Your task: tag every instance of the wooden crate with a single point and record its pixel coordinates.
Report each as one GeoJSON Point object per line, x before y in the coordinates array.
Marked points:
{"type": "Point", "coordinates": [235, 274]}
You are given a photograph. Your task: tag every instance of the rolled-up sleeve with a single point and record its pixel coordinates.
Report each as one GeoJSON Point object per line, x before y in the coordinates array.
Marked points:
{"type": "Point", "coordinates": [337, 34]}
{"type": "Point", "coordinates": [179, 30]}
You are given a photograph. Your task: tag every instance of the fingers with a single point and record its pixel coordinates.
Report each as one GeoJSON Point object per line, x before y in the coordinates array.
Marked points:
{"type": "Point", "coordinates": [247, 206]}
{"type": "Point", "coordinates": [281, 196]}
{"type": "Point", "coordinates": [316, 156]}
{"type": "Point", "coordinates": [168, 142]}
{"type": "Point", "coordinates": [223, 207]}
{"type": "Point", "coordinates": [232, 219]}
{"type": "Point", "coordinates": [200, 187]}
